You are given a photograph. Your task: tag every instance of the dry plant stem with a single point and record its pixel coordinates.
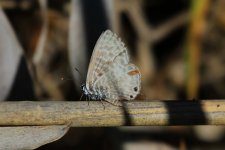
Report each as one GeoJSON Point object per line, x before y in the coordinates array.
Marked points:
{"type": "Point", "coordinates": [147, 35]}
{"type": "Point", "coordinates": [136, 113]}
{"type": "Point", "coordinates": [194, 47]}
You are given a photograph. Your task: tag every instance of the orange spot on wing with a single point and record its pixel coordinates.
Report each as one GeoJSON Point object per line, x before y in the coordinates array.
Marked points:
{"type": "Point", "coordinates": [133, 72]}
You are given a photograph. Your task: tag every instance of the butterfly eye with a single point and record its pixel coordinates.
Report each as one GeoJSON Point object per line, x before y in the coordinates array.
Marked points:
{"type": "Point", "coordinates": [135, 89]}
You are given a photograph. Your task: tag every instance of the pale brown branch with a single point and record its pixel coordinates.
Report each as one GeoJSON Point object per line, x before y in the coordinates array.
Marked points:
{"type": "Point", "coordinates": [141, 113]}
{"type": "Point", "coordinates": [169, 26]}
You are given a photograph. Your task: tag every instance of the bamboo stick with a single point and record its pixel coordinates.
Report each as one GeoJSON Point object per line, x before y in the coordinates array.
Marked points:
{"type": "Point", "coordinates": [97, 114]}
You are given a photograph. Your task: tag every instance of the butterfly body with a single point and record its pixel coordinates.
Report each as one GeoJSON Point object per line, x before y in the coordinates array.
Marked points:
{"type": "Point", "coordinates": [110, 75]}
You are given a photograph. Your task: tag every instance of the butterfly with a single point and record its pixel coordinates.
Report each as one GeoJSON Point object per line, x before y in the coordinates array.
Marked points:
{"type": "Point", "coordinates": [110, 76]}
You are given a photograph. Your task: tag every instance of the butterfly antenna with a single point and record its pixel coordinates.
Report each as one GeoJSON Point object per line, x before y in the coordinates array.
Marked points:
{"type": "Point", "coordinates": [78, 71]}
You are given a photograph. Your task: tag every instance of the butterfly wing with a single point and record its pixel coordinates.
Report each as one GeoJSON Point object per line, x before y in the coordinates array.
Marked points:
{"type": "Point", "coordinates": [119, 82]}
{"type": "Point", "coordinates": [110, 75]}
{"type": "Point", "coordinates": [107, 49]}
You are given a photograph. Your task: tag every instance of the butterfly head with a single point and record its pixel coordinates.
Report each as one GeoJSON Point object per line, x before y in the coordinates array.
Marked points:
{"type": "Point", "coordinates": [84, 89]}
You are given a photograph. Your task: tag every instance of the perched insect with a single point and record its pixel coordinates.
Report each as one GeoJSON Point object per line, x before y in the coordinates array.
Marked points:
{"type": "Point", "coordinates": [110, 75]}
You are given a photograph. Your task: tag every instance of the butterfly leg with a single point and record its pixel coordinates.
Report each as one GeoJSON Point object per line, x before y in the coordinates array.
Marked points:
{"type": "Point", "coordinates": [102, 103]}
{"type": "Point", "coordinates": [81, 96]}
{"type": "Point", "coordinates": [114, 102]}
{"type": "Point", "coordinates": [100, 99]}
{"type": "Point", "coordinates": [88, 99]}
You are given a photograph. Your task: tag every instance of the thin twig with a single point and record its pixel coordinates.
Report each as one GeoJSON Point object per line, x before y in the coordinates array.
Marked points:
{"type": "Point", "coordinates": [139, 113]}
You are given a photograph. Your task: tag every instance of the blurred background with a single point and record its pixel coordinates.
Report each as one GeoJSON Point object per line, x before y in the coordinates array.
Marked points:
{"type": "Point", "coordinates": [178, 45]}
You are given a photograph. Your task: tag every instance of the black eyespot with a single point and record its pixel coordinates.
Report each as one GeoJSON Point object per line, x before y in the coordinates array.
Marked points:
{"type": "Point", "coordinates": [131, 96]}
{"type": "Point", "coordinates": [135, 89]}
